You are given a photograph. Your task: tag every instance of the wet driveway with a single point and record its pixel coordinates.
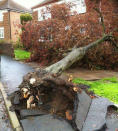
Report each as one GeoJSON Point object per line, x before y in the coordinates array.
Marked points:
{"type": "Point", "coordinates": [12, 73]}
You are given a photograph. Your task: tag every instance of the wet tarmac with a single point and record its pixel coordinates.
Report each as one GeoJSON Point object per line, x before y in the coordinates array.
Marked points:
{"type": "Point", "coordinates": [4, 121]}
{"type": "Point", "coordinates": [12, 73]}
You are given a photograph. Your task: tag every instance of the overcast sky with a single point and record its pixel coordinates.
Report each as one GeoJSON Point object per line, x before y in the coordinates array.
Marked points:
{"type": "Point", "coordinates": [28, 3]}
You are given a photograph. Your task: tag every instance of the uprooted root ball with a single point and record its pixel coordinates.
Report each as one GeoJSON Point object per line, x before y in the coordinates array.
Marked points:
{"type": "Point", "coordinates": [49, 93]}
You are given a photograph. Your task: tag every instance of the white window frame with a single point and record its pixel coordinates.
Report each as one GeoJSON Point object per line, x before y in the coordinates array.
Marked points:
{"type": "Point", "coordinates": [79, 6]}
{"type": "Point", "coordinates": [1, 15]}
{"type": "Point", "coordinates": [83, 30]}
{"type": "Point", "coordinates": [1, 32]}
{"type": "Point", "coordinates": [45, 16]}
{"type": "Point", "coordinates": [40, 18]}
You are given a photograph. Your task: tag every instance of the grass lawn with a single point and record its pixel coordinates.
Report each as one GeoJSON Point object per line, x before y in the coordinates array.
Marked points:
{"type": "Point", "coordinates": [107, 87]}
{"type": "Point", "coordinates": [21, 54]}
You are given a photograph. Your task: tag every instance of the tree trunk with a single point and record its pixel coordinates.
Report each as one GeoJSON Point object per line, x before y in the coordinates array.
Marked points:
{"type": "Point", "coordinates": [75, 55]}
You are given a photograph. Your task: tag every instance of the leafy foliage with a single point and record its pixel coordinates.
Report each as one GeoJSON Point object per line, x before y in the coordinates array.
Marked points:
{"type": "Point", "coordinates": [2, 41]}
{"type": "Point", "coordinates": [21, 54]}
{"type": "Point", "coordinates": [50, 40]}
{"type": "Point", "coordinates": [25, 18]}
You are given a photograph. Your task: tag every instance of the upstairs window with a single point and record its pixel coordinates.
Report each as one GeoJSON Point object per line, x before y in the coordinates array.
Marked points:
{"type": "Point", "coordinates": [1, 32]}
{"type": "Point", "coordinates": [44, 16]}
{"type": "Point", "coordinates": [1, 15]}
{"type": "Point", "coordinates": [83, 30]}
{"type": "Point", "coordinates": [40, 18]}
{"type": "Point", "coordinates": [78, 6]}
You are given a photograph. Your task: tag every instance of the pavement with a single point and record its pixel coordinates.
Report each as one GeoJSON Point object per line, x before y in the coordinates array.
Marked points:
{"type": "Point", "coordinates": [4, 121]}
{"type": "Point", "coordinates": [96, 118]}
{"type": "Point", "coordinates": [45, 123]}
{"type": "Point", "coordinates": [12, 73]}
{"type": "Point", "coordinates": [90, 74]}
{"type": "Point", "coordinates": [112, 122]}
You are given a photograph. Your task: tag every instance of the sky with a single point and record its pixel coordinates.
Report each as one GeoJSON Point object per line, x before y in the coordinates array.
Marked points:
{"type": "Point", "coordinates": [28, 3]}
{"type": "Point", "coordinates": [31, 3]}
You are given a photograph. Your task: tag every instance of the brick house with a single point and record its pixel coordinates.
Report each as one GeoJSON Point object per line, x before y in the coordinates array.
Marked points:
{"type": "Point", "coordinates": [79, 7]}
{"type": "Point", "coordinates": [84, 8]}
{"type": "Point", "coordinates": [9, 19]}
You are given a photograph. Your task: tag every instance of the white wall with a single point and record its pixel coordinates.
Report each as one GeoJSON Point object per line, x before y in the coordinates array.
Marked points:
{"type": "Point", "coordinates": [2, 14]}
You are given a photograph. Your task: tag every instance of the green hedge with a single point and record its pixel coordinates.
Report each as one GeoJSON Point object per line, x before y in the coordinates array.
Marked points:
{"type": "Point", "coordinates": [25, 17]}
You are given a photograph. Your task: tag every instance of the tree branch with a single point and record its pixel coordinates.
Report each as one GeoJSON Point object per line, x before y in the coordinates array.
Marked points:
{"type": "Point", "coordinates": [102, 19]}
{"type": "Point", "coordinates": [114, 43]}
{"type": "Point", "coordinates": [104, 38]}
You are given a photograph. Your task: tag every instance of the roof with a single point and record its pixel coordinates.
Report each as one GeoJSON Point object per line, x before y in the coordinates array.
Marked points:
{"type": "Point", "coordinates": [45, 2]}
{"type": "Point", "coordinates": [11, 5]}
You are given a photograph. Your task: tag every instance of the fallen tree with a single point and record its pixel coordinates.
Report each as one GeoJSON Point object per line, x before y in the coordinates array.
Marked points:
{"type": "Point", "coordinates": [47, 91]}
{"type": "Point", "coordinates": [75, 55]}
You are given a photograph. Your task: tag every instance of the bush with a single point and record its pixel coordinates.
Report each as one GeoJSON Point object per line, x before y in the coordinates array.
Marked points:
{"type": "Point", "coordinates": [25, 18]}
{"type": "Point", "coordinates": [50, 40]}
{"type": "Point", "coordinates": [18, 44]}
{"type": "Point", "coordinates": [3, 41]}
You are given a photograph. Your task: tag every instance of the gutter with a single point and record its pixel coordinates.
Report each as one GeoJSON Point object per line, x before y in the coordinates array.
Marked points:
{"type": "Point", "coordinates": [16, 10]}
{"type": "Point", "coordinates": [11, 114]}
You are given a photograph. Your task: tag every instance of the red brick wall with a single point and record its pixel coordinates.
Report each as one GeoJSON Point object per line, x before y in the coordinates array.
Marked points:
{"type": "Point", "coordinates": [15, 29]}
{"type": "Point", "coordinates": [109, 6]}
{"type": "Point", "coordinates": [7, 49]}
{"type": "Point", "coordinates": [35, 15]}
{"type": "Point", "coordinates": [105, 5]}
{"type": "Point", "coordinates": [6, 25]}
{"type": "Point", "coordinates": [109, 9]}
{"type": "Point", "coordinates": [10, 22]}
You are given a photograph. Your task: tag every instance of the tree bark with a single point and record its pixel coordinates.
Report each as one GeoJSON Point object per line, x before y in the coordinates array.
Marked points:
{"type": "Point", "coordinates": [75, 55]}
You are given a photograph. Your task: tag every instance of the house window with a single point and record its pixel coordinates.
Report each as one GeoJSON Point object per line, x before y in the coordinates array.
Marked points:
{"type": "Point", "coordinates": [43, 16]}
{"type": "Point", "coordinates": [78, 6]}
{"type": "Point", "coordinates": [47, 15]}
{"type": "Point", "coordinates": [1, 32]}
{"type": "Point", "coordinates": [1, 15]}
{"type": "Point", "coordinates": [48, 37]}
{"type": "Point", "coordinates": [82, 30]}
{"type": "Point", "coordinates": [67, 27]}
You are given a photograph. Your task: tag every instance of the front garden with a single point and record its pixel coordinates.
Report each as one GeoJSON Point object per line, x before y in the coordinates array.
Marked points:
{"type": "Point", "coordinates": [107, 87]}
{"type": "Point", "coordinates": [21, 54]}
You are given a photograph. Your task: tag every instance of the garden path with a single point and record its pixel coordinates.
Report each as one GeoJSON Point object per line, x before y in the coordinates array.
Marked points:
{"type": "Point", "coordinates": [91, 74]}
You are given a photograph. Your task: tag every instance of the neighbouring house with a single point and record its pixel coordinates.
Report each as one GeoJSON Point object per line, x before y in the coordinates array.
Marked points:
{"type": "Point", "coordinates": [9, 19]}
{"type": "Point", "coordinates": [84, 8]}
{"type": "Point", "coordinates": [79, 7]}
